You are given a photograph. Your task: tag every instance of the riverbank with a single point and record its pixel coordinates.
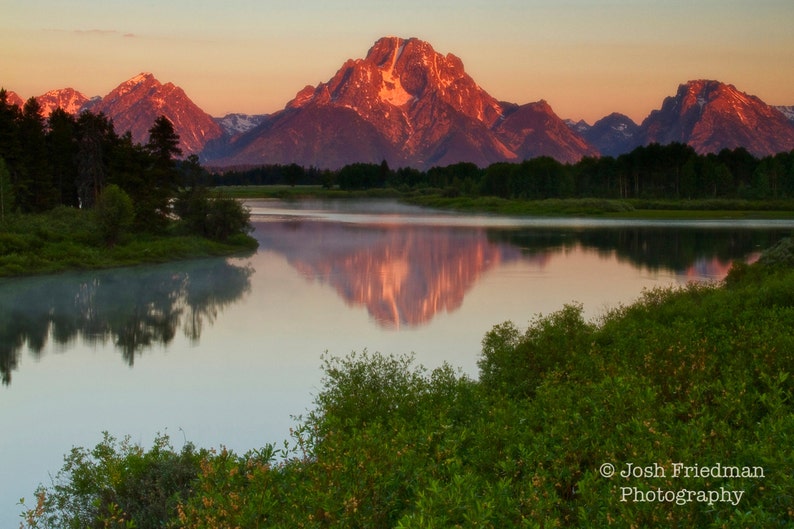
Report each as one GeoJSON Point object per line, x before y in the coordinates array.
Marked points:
{"type": "Point", "coordinates": [596, 207]}
{"type": "Point", "coordinates": [612, 208]}
{"type": "Point", "coordinates": [66, 239]}
{"type": "Point", "coordinates": [683, 397]}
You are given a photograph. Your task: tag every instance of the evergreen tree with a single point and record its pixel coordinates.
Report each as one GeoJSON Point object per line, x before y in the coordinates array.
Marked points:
{"type": "Point", "coordinates": [130, 167]}
{"type": "Point", "coordinates": [62, 152]}
{"type": "Point", "coordinates": [6, 191]}
{"type": "Point", "coordinates": [10, 146]}
{"type": "Point", "coordinates": [163, 143]}
{"type": "Point", "coordinates": [34, 188]}
{"type": "Point", "coordinates": [95, 136]}
{"type": "Point", "coordinates": [163, 176]}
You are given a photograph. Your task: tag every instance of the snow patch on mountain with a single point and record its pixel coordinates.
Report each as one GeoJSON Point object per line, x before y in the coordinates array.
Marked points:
{"type": "Point", "coordinates": [787, 111]}
{"type": "Point", "coordinates": [233, 124]}
{"type": "Point", "coordinates": [392, 90]}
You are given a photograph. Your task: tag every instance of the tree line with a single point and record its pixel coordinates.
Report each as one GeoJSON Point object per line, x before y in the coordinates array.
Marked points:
{"type": "Point", "coordinates": [654, 171]}
{"type": "Point", "coordinates": [66, 160]}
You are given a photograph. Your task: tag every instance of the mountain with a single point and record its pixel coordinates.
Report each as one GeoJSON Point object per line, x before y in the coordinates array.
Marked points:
{"type": "Point", "coordinates": [533, 130]}
{"type": "Point", "coordinates": [233, 124]}
{"type": "Point", "coordinates": [711, 116]}
{"type": "Point", "coordinates": [12, 98]}
{"type": "Point", "coordinates": [787, 111]}
{"type": "Point", "coordinates": [612, 135]}
{"type": "Point", "coordinates": [135, 104]}
{"type": "Point", "coordinates": [580, 127]}
{"type": "Point", "coordinates": [409, 105]}
{"type": "Point", "coordinates": [68, 99]}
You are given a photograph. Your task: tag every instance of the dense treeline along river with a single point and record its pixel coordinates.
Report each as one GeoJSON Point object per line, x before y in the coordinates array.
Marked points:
{"type": "Point", "coordinates": [224, 351]}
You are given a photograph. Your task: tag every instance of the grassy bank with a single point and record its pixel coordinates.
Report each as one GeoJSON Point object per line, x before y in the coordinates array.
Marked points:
{"type": "Point", "coordinates": [611, 208]}
{"type": "Point", "coordinates": [285, 192]}
{"type": "Point", "coordinates": [695, 377]}
{"type": "Point", "coordinates": [629, 209]}
{"type": "Point", "coordinates": [67, 239]}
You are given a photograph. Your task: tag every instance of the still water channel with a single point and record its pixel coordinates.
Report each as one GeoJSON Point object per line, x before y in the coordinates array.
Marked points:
{"type": "Point", "coordinates": [227, 351]}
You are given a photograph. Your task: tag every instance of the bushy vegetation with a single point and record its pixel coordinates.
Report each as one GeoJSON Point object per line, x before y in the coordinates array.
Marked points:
{"type": "Point", "coordinates": [118, 484]}
{"type": "Point", "coordinates": [698, 375]}
{"type": "Point", "coordinates": [67, 238]}
{"type": "Point", "coordinates": [114, 213]}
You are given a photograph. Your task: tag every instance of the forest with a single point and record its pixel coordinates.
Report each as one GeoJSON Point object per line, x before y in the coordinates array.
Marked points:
{"type": "Point", "coordinates": [673, 171]}
{"type": "Point", "coordinates": [71, 186]}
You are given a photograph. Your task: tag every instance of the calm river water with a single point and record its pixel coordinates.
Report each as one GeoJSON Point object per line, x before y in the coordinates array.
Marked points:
{"type": "Point", "coordinates": [227, 351]}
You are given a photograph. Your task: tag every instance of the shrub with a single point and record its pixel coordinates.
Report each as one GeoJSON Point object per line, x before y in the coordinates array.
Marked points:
{"type": "Point", "coordinates": [117, 484]}
{"type": "Point", "coordinates": [114, 213]}
{"type": "Point", "coordinates": [516, 364]}
{"type": "Point", "coordinates": [226, 217]}
{"type": "Point", "coordinates": [219, 218]}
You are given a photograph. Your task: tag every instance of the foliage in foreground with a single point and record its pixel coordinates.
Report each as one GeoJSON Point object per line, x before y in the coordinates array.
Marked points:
{"type": "Point", "coordinates": [698, 375]}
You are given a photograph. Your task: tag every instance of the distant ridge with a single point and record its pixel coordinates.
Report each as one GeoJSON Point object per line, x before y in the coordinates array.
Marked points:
{"type": "Point", "coordinates": [409, 105]}
{"type": "Point", "coordinates": [711, 116]}
{"type": "Point", "coordinates": [135, 104]}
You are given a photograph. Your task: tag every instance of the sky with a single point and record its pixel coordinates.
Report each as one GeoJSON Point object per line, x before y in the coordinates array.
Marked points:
{"type": "Point", "coordinates": [587, 59]}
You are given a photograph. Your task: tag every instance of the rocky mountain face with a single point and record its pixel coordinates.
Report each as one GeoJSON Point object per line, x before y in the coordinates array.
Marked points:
{"type": "Point", "coordinates": [233, 124]}
{"type": "Point", "coordinates": [12, 98]}
{"type": "Point", "coordinates": [533, 130]}
{"type": "Point", "coordinates": [135, 104]}
{"type": "Point", "coordinates": [68, 99]}
{"type": "Point", "coordinates": [612, 135]}
{"type": "Point", "coordinates": [409, 105]}
{"type": "Point", "coordinates": [787, 111]}
{"type": "Point", "coordinates": [711, 116]}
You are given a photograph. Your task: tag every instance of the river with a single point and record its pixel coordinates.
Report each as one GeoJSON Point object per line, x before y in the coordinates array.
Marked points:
{"type": "Point", "coordinates": [228, 351]}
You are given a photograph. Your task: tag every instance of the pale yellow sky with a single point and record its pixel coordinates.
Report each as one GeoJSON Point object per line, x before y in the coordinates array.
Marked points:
{"type": "Point", "coordinates": [586, 58]}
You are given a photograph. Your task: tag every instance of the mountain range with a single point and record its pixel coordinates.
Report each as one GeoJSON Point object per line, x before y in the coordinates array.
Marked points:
{"type": "Point", "coordinates": [412, 106]}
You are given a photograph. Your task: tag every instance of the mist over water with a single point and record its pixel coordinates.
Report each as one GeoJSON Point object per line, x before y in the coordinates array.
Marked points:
{"type": "Point", "coordinates": [227, 351]}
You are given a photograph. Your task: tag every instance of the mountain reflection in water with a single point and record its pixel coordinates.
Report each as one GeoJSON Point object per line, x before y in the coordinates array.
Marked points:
{"type": "Point", "coordinates": [403, 268]}
{"type": "Point", "coordinates": [405, 274]}
{"type": "Point", "coordinates": [133, 308]}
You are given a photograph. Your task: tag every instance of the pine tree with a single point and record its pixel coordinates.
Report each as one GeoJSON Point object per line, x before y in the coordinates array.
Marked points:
{"type": "Point", "coordinates": [6, 191]}
{"type": "Point", "coordinates": [94, 137]}
{"type": "Point", "coordinates": [162, 176]}
{"type": "Point", "coordinates": [62, 152]}
{"type": "Point", "coordinates": [34, 188]}
{"type": "Point", "coordinates": [163, 142]}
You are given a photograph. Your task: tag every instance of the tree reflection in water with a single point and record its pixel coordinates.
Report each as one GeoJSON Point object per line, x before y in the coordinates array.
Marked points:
{"type": "Point", "coordinates": [134, 308]}
{"type": "Point", "coordinates": [406, 274]}
{"type": "Point", "coordinates": [652, 248]}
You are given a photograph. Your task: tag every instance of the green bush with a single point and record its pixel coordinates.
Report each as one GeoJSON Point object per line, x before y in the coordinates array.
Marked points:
{"type": "Point", "coordinates": [114, 213]}
{"type": "Point", "coordinates": [219, 218]}
{"type": "Point", "coordinates": [117, 484]}
{"type": "Point", "coordinates": [516, 363]}
{"type": "Point", "coordinates": [226, 217]}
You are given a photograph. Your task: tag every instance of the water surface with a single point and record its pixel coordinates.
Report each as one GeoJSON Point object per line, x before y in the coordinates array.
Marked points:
{"type": "Point", "coordinates": [227, 351]}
